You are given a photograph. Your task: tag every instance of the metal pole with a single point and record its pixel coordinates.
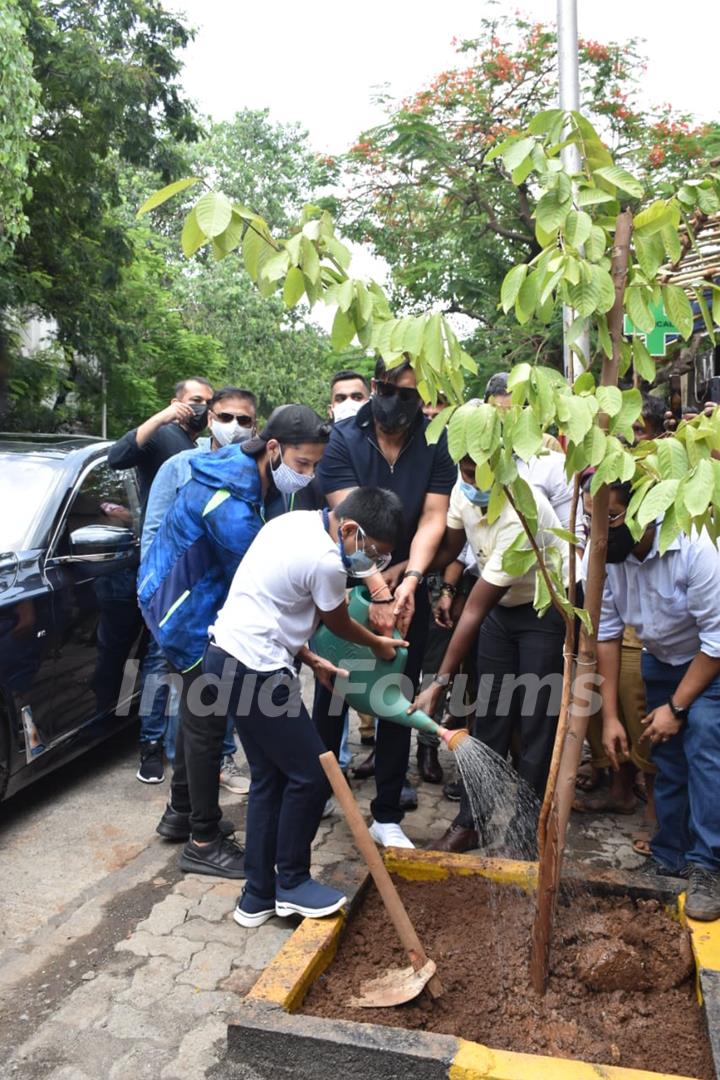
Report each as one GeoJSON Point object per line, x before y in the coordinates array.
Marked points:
{"type": "Point", "coordinates": [569, 80]}
{"type": "Point", "coordinates": [103, 412]}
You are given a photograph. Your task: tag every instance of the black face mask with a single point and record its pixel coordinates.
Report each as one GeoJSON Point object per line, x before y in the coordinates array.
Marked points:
{"type": "Point", "coordinates": [620, 543]}
{"type": "Point", "coordinates": [198, 420]}
{"type": "Point", "coordinates": [393, 414]}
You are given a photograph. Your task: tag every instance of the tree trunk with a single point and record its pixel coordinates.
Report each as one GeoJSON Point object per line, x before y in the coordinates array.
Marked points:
{"type": "Point", "coordinates": [559, 813]}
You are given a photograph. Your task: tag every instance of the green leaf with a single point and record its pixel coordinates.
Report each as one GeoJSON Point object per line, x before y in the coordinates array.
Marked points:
{"type": "Point", "coordinates": [604, 338]}
{"type": "Point", "coordinates": [545, 120]}
{"type": "Point", "coordinates": [621, 179]}
{"type": "Point", "coordinates": [637, 307]}
{"type": "Point", "coordinates": [161, 196]}
{"type": "Point", "coordinates": [652, 220]}
{"type": "Point", "coordinates": [276, 266]}
{"type": "Point", "coordinates": [566, 535]}
{"type": "Point", "coordinates": [457, 432]}
{"type": "Point", "coordinates": [716, 307]}
{"type": "Point", "coordinates": [585, 296]}
{"type": "Point", "coordinates": [594, 445]}
{"type": "Point", "coordinates": [525, 503]}
{"type": "Point", "coordinates": [527, 299]}
{"type": "Point", "coordinates": [517, 563]}
{"type": "Point", "coordinates": [343, 331]}
{"type": "Point", "coordinates": [433, 347]}
{"type": "Point", "coordinates": [650, 254]}
{"type": "Point", "coordinates": [593, 196]}
{"type": "Point", "coordinates": [294, 286]}
{"type": "Point", "coordinates": [698, 488]}
{"type": "Point", "coordinates": [575, 415]}
{"type": "Point", "coordinates": [497, 503]}
{"type": "Point", "coordinates": [578, 226]}
{"type": "Point", "coordinates": [226, 242]}
{"type": "Point", "coordinates": [310, 260]}
{"type": "Point", "coordinates": [542, 600]}
{"type": "Point", "coordinates": [669, 529]}
{"type": "Point", "coordinates": [642, 360]}
{"type": "Point", "coordinates": [705, 311]}
{"type": "Point", "coordinates": [213, 213]}
{"type": "Point", "coordinates": [345, 295]}
{"type": "Point", "coordinates": [338, 251]}
{"type": "Point", "coordinates": [365, 308]}
{"type": "Point", "coordinates": [656, 501]}
{"type": "Point", "coordinates": [516, 153]}
{"type": "Point", "coordinates": [551, 211]}
{"type": "Point", "coordinates": [609, 399]}
{"type": "Point", "coordinates": [678, 308]}
{"type": "Point", "coordinates": [672, 458]}
{"type": "Point", "coordinates": [254, 245]}
{"type": "Point", "coordinates": [622, 423]}
{"type": "Point", "coordinates": [595, 244]}
{"type": "Point", "coordinates": [511, 286]}
{"type": "Point", "coordinates": [483, 431]}
{"type": "Point", "coordinates": [192, 237]}
{"type": "Point", "coordinates": [585, 618]}
{"type": "Point", "coordinates": [438, 424]}
{"type": "Point", "coordinates": [606, 290]}
{"type": "Point", "coordinates": [585, 383]}
{"type": "Point", "coordinates": [527, 435]}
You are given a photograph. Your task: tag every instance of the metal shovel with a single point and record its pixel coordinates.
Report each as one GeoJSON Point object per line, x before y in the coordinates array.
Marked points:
{"type": "Point", "coordinates": [397, 985]}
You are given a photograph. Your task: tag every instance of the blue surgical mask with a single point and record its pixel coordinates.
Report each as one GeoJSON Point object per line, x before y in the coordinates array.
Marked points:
{"type": "Point", "coordinates": [360, 563]}
{"type": "Point", "coordinates": [477, 496]}
{"type": "Point", "coordinates": [287, 480]}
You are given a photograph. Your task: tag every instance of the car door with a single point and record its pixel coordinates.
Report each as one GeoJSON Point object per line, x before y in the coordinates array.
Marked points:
{"type": "Point", "coordinates": [96, 618]}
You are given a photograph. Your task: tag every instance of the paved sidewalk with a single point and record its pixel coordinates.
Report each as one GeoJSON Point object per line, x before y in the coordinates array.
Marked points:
{"type": "Point", "coordinates": [147, 990]}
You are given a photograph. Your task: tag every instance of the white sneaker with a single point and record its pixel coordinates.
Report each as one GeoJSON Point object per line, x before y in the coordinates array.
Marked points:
{"type": "Point", "coordinates": [329, 807]}
{"type": "Point", "coordinates": [232, 778]}
{"type": "Point", "coordinates": [389, 834]}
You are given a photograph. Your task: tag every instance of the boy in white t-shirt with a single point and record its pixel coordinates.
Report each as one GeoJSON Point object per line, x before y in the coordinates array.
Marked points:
{"type": "Point", "coordinates": [293, 575]}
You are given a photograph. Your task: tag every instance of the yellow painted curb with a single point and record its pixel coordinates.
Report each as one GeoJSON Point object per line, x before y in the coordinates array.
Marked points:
{"type": "Point", "coordinates": [438, 865]}
{"type": "Point", "coordinates": [476, 1062]}
{"type": "Point", "coordinates": [302, 959]}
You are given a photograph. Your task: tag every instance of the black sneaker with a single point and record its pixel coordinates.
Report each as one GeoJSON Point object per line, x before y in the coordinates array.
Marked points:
{"type": "Point", "coordinates": [222, 858]}
{"type": "Point", "coordinates": [452, 790]}
{"type": "Point", "coordinates": [408, 797]}
{"type": "Point", "coordinates": [702, 900]}
{"type": "Point", "coordinates": [666, 871]}
{"type": "Point", "coordinates": [152, 770]}
{"type": "Point", "coordinates": [174, 825]}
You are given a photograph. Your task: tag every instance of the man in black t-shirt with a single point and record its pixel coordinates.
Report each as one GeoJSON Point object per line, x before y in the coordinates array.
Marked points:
{"type": "Point", "coordinates": [163, 435]}
{"type": "Point", "coordinates": [384, 446]}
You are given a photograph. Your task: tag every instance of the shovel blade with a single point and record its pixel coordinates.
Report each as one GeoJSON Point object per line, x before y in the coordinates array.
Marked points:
{"type": "Point", "coordinates": [394, 987]}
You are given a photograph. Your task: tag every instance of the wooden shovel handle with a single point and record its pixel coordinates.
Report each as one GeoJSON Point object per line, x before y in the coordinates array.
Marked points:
{"type": "Point", "coordinates": [383, 882]}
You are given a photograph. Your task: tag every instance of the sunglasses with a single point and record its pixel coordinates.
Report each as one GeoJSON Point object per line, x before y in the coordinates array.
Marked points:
{"type": "Point", "coordinates": [612, 519]}
{"type": "Point", "coordinates": [228, 417]}
{"type": "Point", "coordinates": [388, 389]}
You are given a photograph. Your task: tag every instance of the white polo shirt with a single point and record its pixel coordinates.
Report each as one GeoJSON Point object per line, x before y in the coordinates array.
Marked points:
{"type": "Point", "coordinates": [489, 542]}
{"type": "Point", "coordinates": [291, 573]}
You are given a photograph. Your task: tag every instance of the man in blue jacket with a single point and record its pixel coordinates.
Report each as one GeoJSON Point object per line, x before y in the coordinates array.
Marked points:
{"type": "Point", "coordinates": [183, 581]}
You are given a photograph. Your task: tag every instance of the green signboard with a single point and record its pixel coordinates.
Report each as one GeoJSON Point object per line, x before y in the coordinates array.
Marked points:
{"type": "Point", "coordinates": [657, 341]}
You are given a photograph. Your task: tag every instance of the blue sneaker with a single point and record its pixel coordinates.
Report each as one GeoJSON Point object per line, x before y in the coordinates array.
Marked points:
{"type": "Point", "coordinates": [253, 910]}
{"type": "Point", "coordinates": [310, 899]}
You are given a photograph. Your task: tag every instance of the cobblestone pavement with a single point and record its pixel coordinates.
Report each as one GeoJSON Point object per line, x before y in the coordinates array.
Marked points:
{"type": "Point", "coordinates": [140, 981]}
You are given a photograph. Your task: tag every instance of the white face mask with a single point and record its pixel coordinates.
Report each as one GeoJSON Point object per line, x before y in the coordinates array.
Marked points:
{"type": "Point", "coordinates": [346, 408]}
{"type": "Point", "coordinates": [225, 434]}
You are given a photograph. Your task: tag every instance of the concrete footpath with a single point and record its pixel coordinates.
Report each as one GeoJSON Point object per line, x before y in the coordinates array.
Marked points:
{"type": "Point", "coordinates": [141, 975]}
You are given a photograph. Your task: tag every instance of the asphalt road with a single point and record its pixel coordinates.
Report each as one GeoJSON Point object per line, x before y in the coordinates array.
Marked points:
{"type": "Point", "coordinates": [70, 830]}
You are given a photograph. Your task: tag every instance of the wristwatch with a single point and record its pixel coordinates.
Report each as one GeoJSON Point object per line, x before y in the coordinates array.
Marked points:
{"type": "Point", "coordinates": [678, 713]}
{"type": "Point", "coordinates": [442, 680]}
{"type": "Point", "coordinates": [415, 574]}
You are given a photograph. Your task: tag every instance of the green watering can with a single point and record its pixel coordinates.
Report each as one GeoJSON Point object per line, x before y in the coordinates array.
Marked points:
{"type": "Point", "coordinates": [374, 685]}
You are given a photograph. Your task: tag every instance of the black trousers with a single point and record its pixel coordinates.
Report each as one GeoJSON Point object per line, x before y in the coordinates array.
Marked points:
{"type": "Point", "coordinates": [195, 787]}
{"type": "Point", "coordinates": [392, 741]}
{"type": "Point", "coordinates": [288, 788]}
{"type": "Point", "coordinates": [519, 670]}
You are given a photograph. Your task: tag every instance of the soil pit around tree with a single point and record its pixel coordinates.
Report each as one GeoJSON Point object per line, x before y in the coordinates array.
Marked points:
{"type": "Point", "coordinates": [621, 988]}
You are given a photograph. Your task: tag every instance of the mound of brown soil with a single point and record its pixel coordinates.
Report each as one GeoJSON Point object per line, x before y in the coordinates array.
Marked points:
{"type": "Point", "coordinates": [621, 988]}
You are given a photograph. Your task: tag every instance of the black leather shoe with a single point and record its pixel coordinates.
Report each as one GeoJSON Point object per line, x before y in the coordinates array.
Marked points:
{"type": "Point", "coordinates": [176, 826]}
{"type": "Point", "coordinates": [453, 790]}
{"type": "Point", "coordinates": [408, 797]}
{"type": "Point", "coordinates": [221, 858]}
{"type": "Point", "coordinates": [429, 767]}
{"type": "Point", "coordinates": [366, 768]}
{"type": "Point", "coordinates": [458, 839]}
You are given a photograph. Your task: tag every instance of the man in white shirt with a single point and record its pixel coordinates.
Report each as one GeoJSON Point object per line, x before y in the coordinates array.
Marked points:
{"type": "Point", "coordinates": [293, 575]}
{"type": "Point", "coordinates": [513, 642]}
{"type": "Point", "coordinates": [671, 601]}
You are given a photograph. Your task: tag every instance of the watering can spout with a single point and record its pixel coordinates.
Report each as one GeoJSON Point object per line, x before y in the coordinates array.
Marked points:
{"type": "Point", "coordinates": [374, 685]}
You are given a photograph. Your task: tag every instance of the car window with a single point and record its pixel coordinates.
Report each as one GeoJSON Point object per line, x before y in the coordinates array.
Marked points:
{"type": "Point", "coordinates": [105, 497]}
{"type": "Point", "coordinates": [26, 486]}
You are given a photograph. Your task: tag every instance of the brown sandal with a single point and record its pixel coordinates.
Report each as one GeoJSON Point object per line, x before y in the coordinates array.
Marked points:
{"type": "Point", "coordinates": [603, 804]}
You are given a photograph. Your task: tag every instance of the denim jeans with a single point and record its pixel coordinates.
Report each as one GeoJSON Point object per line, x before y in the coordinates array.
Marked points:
{"type": "Point", "coordinates": [158, 722]}
{"type": "Point", "coordinates": [687, 790]}
{"type": "Point", "coordinates": [288, 788]}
